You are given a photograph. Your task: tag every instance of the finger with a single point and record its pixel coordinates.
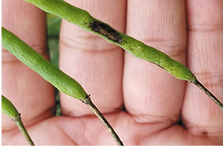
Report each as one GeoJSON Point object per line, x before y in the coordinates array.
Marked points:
{"type": "Point", "coordinates": [150, 93]}
{"type": "Point", "coordinates": [205, 23]}
{"type": "Point", "coordinates": [31, 94]}
{"type": "Point", "coordinates": [96, 64]}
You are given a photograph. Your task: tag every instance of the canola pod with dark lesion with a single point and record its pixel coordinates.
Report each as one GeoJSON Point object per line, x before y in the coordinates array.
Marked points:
{"type": "Point", "coordinates": [138, 49]}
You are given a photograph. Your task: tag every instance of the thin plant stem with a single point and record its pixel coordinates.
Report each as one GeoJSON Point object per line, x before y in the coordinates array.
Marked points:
{"type": "Point", "coordinates": [208, 93]}
{"type": "Point", "coordinates": [104, 121]}
{"type": "Point", "coordinates": [22, 128]}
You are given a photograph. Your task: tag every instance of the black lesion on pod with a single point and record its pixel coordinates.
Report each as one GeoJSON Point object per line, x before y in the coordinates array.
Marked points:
{"type": "Point", "coordinates": [158, 65]}
{"type": "Point", "coordinates": [106, 31]}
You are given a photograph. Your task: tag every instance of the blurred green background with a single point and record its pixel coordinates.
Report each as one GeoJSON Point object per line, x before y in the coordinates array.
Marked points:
{"type": "Point", "coordinates": [53, 31]}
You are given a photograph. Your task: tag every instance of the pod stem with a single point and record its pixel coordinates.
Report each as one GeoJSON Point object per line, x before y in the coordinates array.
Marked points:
{"type": "Point", "coordinates": [208, 93]}
{"type": "Point", "coordinates": [22, 128]}
{"type": "Point", "coordinates": [104, 121]}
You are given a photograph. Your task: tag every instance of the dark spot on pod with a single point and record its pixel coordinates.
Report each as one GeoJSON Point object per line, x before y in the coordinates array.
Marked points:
{"type": "Point", "coordinates": [160, 66]}
{"type": "Point", "coordinates": [106, 31]}
{"type": "Point", "coordinates": [87, 99]}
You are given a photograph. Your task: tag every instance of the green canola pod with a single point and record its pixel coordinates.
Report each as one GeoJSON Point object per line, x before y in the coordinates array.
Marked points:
{"type": "Point", "coordinates": [39, 64]}
{"type": "Point", "coordinates": [50, 73]}
{"type": "Point", "coordinates": [138, 49]}
{"type": "Point", "coordinates": [9, 109]}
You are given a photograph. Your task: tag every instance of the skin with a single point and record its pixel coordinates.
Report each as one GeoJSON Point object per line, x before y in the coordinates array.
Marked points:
{"type": "Point", "coordinates": [115, 78]}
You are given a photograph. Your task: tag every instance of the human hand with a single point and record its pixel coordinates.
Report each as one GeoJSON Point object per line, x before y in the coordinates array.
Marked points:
{"type": "Point", "coordinates": [160, 109]}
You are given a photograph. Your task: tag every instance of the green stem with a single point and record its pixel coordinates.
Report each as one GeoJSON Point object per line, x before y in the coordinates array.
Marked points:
{"type": "Point", "coordinates": [22, 128]}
